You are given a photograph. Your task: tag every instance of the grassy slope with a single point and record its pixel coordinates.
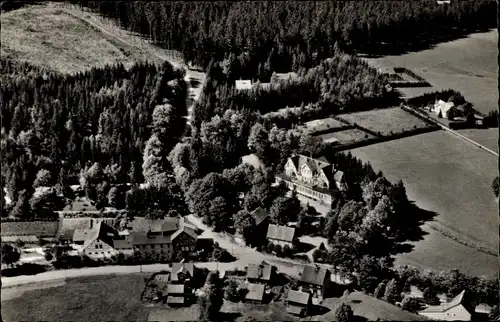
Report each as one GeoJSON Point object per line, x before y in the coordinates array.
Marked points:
{"type": "Point", "coordinates": [468, 65]}
{"type": "Point", "coordinates": [48, 37]}
{"type": "Point", "coordinates": [97, 298]}
{"type": "Point", "coordinates": [452, 178]}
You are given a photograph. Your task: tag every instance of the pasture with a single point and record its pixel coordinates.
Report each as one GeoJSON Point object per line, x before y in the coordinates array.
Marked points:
{"type": "Point", "coordinates": [452, 178]}
{"type": "Point", "coordinates": [468, 65]}
{"type": "Point", "coordinates": [46, 36]}
{"type": "Point", "coordinates": [324, 125]}
{"type": "Point", "coordinates": [387, 121]}
{"type": "Point", "coordinates": [94, 298]}
{"type": "Point", "coordinates": [346, 136]}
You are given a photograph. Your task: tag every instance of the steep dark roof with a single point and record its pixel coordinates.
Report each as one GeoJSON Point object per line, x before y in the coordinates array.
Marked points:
{"type": "Point", "coordinates": [102, 231]}
{"type": "Point", "coordinates": [185, 229]}
{"type": "Point", "coordinates": [142, 238]}
{"type": "Point", "coordinates": [155, 226]}
{"type": "Point", "coordinates": [315, 275]}
{"type": "Point", "coordinates": [262, 272]}
{"type": "Point", "coordinates": [259, 215]}
{"type": "Point", "coordinates": [281, 233]}
{"type": "Point", "coordinates": [29, 228]}
{"type": "Point", "coordinates": [186, 268]}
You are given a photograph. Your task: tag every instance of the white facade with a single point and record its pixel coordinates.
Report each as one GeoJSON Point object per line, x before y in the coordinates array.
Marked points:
{"type": "Point", "coordinates": [99, 249]}
{"type": "Point", "coordinates": [457, 313]}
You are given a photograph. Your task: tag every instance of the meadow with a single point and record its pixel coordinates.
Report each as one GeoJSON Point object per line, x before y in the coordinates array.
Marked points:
{"type": "Point", "coordinates": [452, 178]}
{"type": "Point", "coordinates": [47, 36]}
{"type": "Point", "coordinates": [387, 122]}
{"type": "Point", "coordinates": [346, 136]}
{"type": "Point", "coordinates": [468, 65]}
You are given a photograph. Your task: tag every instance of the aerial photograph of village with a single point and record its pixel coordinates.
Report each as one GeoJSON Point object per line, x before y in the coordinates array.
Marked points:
{"type": "Point", "coordinates": [249, 161]}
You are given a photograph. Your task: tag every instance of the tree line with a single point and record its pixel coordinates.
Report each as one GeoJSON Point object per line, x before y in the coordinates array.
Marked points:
{"type": "Point", "coordinates": [270, 36]}
{"type": "Point", "coordinates": [55, 126]}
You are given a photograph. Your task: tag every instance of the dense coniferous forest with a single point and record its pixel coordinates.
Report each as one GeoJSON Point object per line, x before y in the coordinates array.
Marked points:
{"type": "Point", "coordinates": [282, 36]}
{"type": "Point", "coordinates": [65, 124]}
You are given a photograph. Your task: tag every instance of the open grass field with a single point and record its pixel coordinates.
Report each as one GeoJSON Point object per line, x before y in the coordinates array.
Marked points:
{"type": "Point", "coordinates": [96, 298]}
{"type": "Point", "coordinates": [452, 178]}
{"type": "Point", "coordinates": [468, 65]}
{"type": "Point", "coordinates": [367, 307]}
{"type": "Point", "coordinates": [46, 36]}
{"type": "Point", "coordinates": [386, 121]}
{"type": "Point", "coordinates": [346, 136]}
{"type": "Point", "coordinates": [486, 137]}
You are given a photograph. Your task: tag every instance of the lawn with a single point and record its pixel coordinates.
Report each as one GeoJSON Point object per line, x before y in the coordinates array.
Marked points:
{"type": "Point", "coordinates": [452, 178]}
{"type": "Point", "coordinates": [468, 65]}
{"type": "Point", "coordinates": [96, 298]}
{"type": "Point", "coordinates": [346, 136]}
{"type": "Point", "coordinates": [386, 121]}
{"type": "Point", "coordinates": [45, 36]}
{"type": "Point", "coordinates": [367, 307]}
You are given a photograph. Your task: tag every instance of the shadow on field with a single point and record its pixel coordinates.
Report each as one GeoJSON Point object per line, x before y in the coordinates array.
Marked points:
{"type": "Point", "coordinates": [415, 43]}
{"type": "Point", "coordinates": [228, 316]}
{"type": "Point", "coordinates": [318, 310]}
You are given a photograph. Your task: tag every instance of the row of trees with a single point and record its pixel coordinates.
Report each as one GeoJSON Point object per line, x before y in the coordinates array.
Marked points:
{"type": "Point", "coordinates": [55, 126]}
{"type": "Point", "coordinates": [271, 36]}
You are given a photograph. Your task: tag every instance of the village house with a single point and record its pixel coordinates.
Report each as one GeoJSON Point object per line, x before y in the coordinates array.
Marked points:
{"type": "Point", "coordinates": [243, 84]}
{"type": "Point", "coordinates": [68, 226]}
{"type": "Point", "coordinates": [256, 293]}
{"type": "Point", "coordinates": [281, 235]}
{"type": "Point", "coordinates": [260, 273]}
{"type": "Point", "coordinates": [298, 303]}
{"type": "Point", "coordinates": [444, 109]}
{"type": "Point", "coordinates": [313, 178]}
{"type": "Point", "coordinates": [166, 236]}
{"type": "Point", "coordinates": [315, 280]}
{"type": "Point", "coordinates": [97, 242]}
{"type": "Point", "coordinates": [179, 295]}
{"type": "Point", "coordinates": [460, 308]}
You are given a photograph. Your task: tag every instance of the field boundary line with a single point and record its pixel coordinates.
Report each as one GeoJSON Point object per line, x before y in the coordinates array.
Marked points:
{"type": "Point", "coordinates": [444, 127]}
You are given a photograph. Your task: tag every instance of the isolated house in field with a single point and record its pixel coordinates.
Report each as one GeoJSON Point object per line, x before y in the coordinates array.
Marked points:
{"type": "Point", "coordinates": [243, 84]}
{"type": "Point", "coordinates": [256, 293]}
{"type": "Point", "coordinates": [298, 303]}
{"type": "Point", "coordinates": [461, 308]}
{"type": "Point", "coordinates": [444, 109]}
{"type": "Point", "coordinates": [97, 242]}
{"type": "Point", "coordinates": [281, 235]}
{"type": "Point", "coordinates": [315, 280]}
{"type": "Point", "coordinates": [313, 178]}
{"type": "Point", "coordinates": [31, 232]}
{"type": "Point", "coordinates": [260, 273]}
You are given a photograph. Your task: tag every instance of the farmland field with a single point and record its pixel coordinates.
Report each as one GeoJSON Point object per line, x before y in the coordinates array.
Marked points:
{"type": "Point", "coordinates": [451, 178]}
{"type": "Point", "coordinates": [46, 36]}
{"type": "Point", "coordinates": [346, 136]}
{"type": "Point", "coordinates": [386, 121]}
{"type": "Point", "coordinates": [468, 65]}
{"type": "Point", "coordinates": [96, 298]}
{"type": "Point", "coordinates": [486, 137]}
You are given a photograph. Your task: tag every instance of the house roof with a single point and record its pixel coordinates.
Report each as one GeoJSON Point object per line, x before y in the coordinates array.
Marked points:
{"type": "Point", "coordinates": [175, 299]}
{"type": "Point", "coordinates": [255, 292]}
{"type": "Point", "coordinates": [29, 228]}
{"type": "Point", "coordinates": [259, 215]}
{"type": "Point", "coordinates": [182, 268]}
{"type": "Point", "coordinates": [294, 309]}
{"type": "Point", "coordinates": [142, 238]}
{"type": "Point", "coordinates": [175, 288]}
{"type": "Point", "coordinates": [282, 233]}
{"type": "Point", "coordinates": [298, 297]}
{"type": "Point", "coordinates": [102, 232]}
{"type": "Point", "coordinates": [313, 274]}
{"type": "Point", "coordinates": [460, 299]}
{"type": "Point", "coordinates": [339, 175]}
{"type": "Point", "coordinates": [243, 84]}
{"type": "Point", "coordinates": [163, 278]}
{"type": "Point", "coordinates": [122, 244]}
{"type": "Point", "coordinates": [185, 229]}
{"type": "Point", "coordinates": [262, 272]}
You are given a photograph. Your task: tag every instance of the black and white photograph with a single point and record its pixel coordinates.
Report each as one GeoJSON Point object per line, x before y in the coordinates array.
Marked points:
{"type": "Point", "coordinates": [246, 161]}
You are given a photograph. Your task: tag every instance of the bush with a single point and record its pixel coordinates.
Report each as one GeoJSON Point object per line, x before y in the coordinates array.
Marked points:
{"type": "Point", "coordinates": [380, 290]}
{"type": "Point", "coordinates": [231, 291]}
{"type": "Point", "coordinates": [410, 304]}
{"type": "Point", "coordinates": [430, 296]}
{"type": "Point", "coordinates": [344, 313]}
